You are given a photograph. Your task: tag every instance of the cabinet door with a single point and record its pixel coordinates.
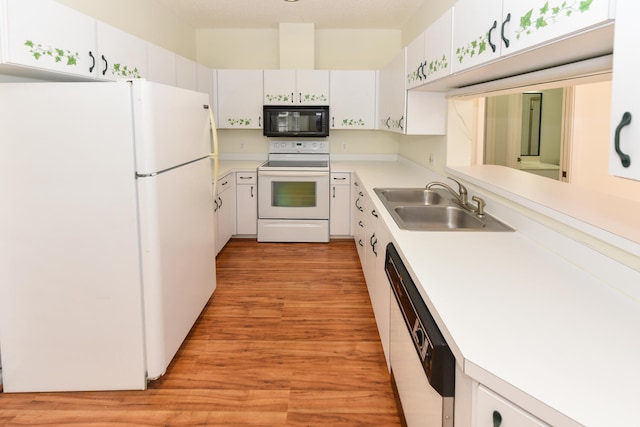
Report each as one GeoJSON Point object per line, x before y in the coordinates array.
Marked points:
{"type": "Point", "coordinates": [279, 87]}
{"type": "Point", "coordinates": [437, 48]}
{"type": "Point", "coordinates": [415, 62]}
{"type": "Point", "coordinates": [353, 99]}
{"type": "Point", "coordinates": [382, 290]}
{"type": "Point", "coordinates": [49, 36]}
{"type": "Point", "coordinates": [340, 212]}
{"type": "Point", "coordinates": [312, 87]}
{"type": "Point", "coordinates": [625, 106]}
{"type": "Point", "coordinates": [186, 73]}
{"type": "Point", "coordinates": [392, 91]}
{"type": "Point", "coordinates": [493, 410]}
{"type": "Point", "coordinates": [246, 203]}
{"type": "Point", "coordinates": [225, 211]}
{"type": "Point", "coordinates": [476, 32]}
{"type": "Point", "coordinates": [121, 55]}
{"type": "Point", "coordinates": [162, 65]}
{"type": "Point", "coordinates": [359, 219]}
{"type": "Point", "coordinates": [240, 99]}
{"type": "Point", "coordinates": [534, 22]}
{"type": "Point", "coordinates": [205, 78]}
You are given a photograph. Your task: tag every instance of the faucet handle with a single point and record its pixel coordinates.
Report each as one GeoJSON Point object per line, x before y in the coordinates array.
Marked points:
{"type": "Point", "coordinates": [461, 188]}
{"type": "Point", "coordinates": [481, 204]}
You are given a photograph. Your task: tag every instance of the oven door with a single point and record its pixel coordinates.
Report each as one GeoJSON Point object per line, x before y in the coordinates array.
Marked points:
{"type": "Point", "coordinates": [293, 194]}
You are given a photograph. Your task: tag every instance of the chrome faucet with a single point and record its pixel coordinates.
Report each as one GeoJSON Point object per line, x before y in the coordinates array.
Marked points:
{"type": "Point", "coordinates": [461, 196]}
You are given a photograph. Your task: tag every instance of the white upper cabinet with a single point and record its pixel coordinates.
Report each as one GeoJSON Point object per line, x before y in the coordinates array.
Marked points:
{"type": "Point", "coordinates": [391, 95]}
{"type": "Point", "coordinates": [162, 65]}
{"type": "Point", "coordinates": [624, 157]}
{"type": "Point", "coordinates": [186, 73]}
{"type": "Point", "coordinates": [486, 30]}
{"type": "Point", "coordinates": [476, 32]}
{"type": "Point", "coordinates": [415, 62]}
{"type": "Point", "coordinates": [353, 99]}
{"type": "Point", "coordinates": [45, 35]}
{"type": "Point", "coordinates": [239, 99]}
{"type": "Point", "coordinates": [296, 87]}
{"type": "Point", "coordinates": [121, 55]}
{"type": "Point", "coordinates": [429, 55]}
{"type": "Point", "coordinates": [534, 22]}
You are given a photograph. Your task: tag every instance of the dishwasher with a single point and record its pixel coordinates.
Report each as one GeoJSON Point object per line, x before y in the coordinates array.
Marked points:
{"type": "Point", "coordinates": [422, 364]}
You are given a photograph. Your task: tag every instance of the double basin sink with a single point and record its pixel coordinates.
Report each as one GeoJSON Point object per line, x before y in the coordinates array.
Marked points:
{"type": "Point", "coordinates": [434, 210]}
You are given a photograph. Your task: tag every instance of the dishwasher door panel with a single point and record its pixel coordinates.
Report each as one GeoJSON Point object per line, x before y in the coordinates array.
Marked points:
{"type": "Point", "coordinates": [421, 404]}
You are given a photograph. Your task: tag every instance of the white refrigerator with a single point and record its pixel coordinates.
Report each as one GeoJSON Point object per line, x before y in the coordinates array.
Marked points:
{"type": "Point", "coordinates": [107, 248]}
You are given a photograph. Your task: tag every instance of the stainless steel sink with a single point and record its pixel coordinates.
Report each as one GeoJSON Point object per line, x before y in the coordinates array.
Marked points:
{"type": "Point", "coordinates": [433, 210]}
{"type": "Point", "coordinates": [413, 195]}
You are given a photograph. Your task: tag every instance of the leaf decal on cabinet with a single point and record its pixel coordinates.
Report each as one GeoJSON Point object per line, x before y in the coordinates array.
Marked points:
{"type": "Point", "coordinates": [38, 51]}
{"type": "Point", "coordinates": [548, 15]}
{"type": "Point", "coordinates": [239, 122]}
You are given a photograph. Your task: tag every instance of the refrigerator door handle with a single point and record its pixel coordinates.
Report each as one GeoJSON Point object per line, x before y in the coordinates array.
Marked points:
{"type": "Point", "coordinates": [152, 174]}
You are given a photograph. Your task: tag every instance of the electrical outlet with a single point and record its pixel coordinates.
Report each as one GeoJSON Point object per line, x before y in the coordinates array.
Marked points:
{"type": "Point", "coordinates": [344, 146]}
{"type": "Point", "coordinates": [432, 159]}
{"type": "Point", "coordinates": [242, 146]}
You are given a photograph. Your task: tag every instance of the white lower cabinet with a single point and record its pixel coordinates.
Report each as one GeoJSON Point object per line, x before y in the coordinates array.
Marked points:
{"type": "Point", "coordinates": [359, 218]}
{"type": "Point", "coordinates": [246, 203]}
{"type": "Point", "coordinates": [371, 237]}
{"type": "Point", "coordinates": [378, 238]}
{"type": "Point", "coordinates": [340, 204]}
{"type": "Point", "coordinates": [492, 410]}
{"type": "Point", "coordinates": [225, 210]}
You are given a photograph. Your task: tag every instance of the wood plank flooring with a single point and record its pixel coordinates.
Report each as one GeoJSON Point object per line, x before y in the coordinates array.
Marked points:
{"type": "Point", "coordinates": [288, 339]}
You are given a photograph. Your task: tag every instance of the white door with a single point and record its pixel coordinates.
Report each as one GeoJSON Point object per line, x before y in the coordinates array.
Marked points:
{"type": "Point", "coordinates": [47, 35]}
{"type": "Point", "coordinates": [312, 87]}
{"type": "Point", "coordinates": [624, 157]}
{"type": "Point", "coordinates": [477, 29]}
{"type": "Point", "coordinates": [172, 126]}
{"type": "Point", "coordinates": [535, 22]}
{"type": "Point", "coordinates": [353, 99]}
{"type": "Point", "coordinates": [239, 99]}
{"type": "Point", "coordinates": [279, 87]}
{"type": "Point", "coordinates": [121, 55]}
{"type": "Point", "coordinates": [178, 256]}
{"type": "Point", "coordinates": [70, 297]}
{"type": "Point", "coordinates": [437, 48]}
{"type": "Point", "coordinates": [162, 65]}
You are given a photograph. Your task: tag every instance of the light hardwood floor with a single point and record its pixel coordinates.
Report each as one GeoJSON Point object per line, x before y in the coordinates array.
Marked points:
{"type": "Point", "coordinates": [288, 339]}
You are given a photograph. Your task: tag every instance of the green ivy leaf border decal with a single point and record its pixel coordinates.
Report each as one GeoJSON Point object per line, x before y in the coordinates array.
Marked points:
{"type": "Point", "coordinates": [473, 48]}
{"type": "Point", "coordinates": [239, 122]}
{"type": "Point", "coordinates": [547, 15]}
{"type": "Point", "coordinates": [38, 50]}
{"type": "Point", "coordinates": [125, 71]}
{"type": "Point", "coordinates": [278, 98]}
{"type": "Point", "coordinates": [431, 67]}
{"type": "Point", "coordinates": [315, 98]}
{"type": "Point", "coordinates": [353, 122]}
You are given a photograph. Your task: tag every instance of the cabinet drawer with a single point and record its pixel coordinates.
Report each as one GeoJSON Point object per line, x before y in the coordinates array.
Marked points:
{"type": "Point", "coordinates": [246, 177]}
{"type": "Point", "coordinates": [491, 405]}
{"type": "Point", "coordinates": [226, 182]}
{"type": "Point", "coordinates": [340, 178]}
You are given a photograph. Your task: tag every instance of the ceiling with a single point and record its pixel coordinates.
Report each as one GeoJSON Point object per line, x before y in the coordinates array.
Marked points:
{"type": "Point", "coordinates": [334, 14]}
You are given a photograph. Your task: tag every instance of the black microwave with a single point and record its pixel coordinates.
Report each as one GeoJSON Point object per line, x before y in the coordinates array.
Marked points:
{"type": "Point", "coordinates": [301, 121]}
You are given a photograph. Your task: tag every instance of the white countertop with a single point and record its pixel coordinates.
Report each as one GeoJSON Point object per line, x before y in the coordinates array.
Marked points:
{"type": "Point", "coordinates": [549, 334]}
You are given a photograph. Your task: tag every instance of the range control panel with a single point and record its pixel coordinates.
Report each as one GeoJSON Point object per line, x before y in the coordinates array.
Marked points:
{"type": "Point", "coordinates": [298, 147]}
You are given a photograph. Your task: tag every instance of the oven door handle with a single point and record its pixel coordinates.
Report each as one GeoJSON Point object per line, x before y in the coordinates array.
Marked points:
{"type": "Point", "coordinates": [293, 173]}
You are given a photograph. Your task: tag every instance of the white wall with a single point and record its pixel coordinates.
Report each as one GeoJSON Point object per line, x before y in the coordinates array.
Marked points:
{"type": "Point", "coordinates": [146, 19]}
